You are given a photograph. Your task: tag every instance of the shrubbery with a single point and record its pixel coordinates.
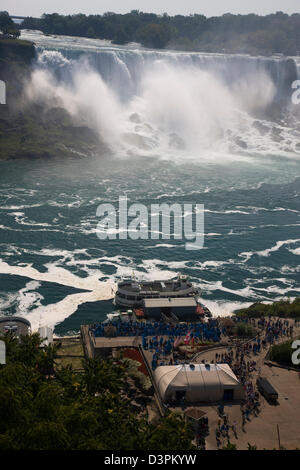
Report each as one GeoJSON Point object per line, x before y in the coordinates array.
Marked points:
{"type": "Point", "coordinates": [7, 26]}
{"type": "Point", "coordinates": [282, 353]}
{"type": "Point", "coordinates": [43, 407]}
{"type": "Point", "coordinates": [283, 308]}
{"type": "Point", "coordinates": [244, 330]}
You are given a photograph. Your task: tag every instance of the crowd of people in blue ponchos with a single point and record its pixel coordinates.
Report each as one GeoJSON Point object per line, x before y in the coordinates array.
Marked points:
{"type": "Point", "coordinates": [158, 337]}
{"type": "Point", "coordinates": [209, 331]}
{"type": "Point", "coordinates": [161, 348]}
{"type": "Point", "coordinates": [271, 328]}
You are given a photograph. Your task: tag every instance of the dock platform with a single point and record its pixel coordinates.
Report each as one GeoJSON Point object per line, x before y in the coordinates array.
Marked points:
{"type": "Point", "coordinates": [103, 346]}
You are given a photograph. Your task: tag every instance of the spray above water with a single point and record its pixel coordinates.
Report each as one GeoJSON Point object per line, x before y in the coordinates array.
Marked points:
{"type": "Point", "coordinates": [87, 98]}
{"type": "Point", "coordinates": [168, 104]}
{"type": "Point", "coordinates": [194, 109]}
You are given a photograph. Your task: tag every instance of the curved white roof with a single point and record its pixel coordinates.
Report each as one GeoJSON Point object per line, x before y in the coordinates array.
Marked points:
{"type": "Point", "coordinates": [206, 380]}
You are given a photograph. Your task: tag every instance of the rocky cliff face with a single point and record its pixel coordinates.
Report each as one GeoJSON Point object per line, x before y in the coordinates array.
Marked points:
{"type": "Point", "coordinates": [16, 58]}
{"type": "Point", "coordinates": [27, 129]}
{"type": "Point", "coordinates": [16, 49]}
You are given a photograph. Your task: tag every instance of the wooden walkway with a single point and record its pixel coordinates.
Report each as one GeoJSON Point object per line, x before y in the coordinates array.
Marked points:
{"type": "Point", "coordinates": [93, 344]}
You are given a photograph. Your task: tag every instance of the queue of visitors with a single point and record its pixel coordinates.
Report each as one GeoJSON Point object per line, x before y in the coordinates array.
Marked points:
{"type": "Point", "coordinates": [209, 331]}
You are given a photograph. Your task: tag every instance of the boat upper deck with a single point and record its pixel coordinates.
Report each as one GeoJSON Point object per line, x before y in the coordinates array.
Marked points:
{"type": "Point", "coordinates": [157, 287]}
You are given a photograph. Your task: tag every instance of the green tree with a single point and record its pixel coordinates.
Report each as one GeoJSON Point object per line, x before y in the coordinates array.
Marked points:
{"type": "Point", "coordinates": [233, 33]}
{"type": "Point", "coordinates": [99, 376]}
{"type": "Point", "coordinates": [173, 432]}
{"type": "Point", "coordinates": [69, 410]}
{"type": "Point", "coordinates": [5, 21]}
{"type": "Point", "coordinates": [155, 35]}
{"type": "Point", "coordinates": [46, 359]}
{"type": "Point", "coordinates": [244, 330]}
{"type": "Point", "coordinates": [121, 36]}
{"type": "Point", "coordinates": [282, 353]}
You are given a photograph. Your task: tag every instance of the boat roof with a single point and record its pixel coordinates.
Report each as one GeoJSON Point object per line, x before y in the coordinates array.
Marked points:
{"type": "Point", "coordinates": [14, 319]}
{"type": "Point", "coordinates": [170, 302]}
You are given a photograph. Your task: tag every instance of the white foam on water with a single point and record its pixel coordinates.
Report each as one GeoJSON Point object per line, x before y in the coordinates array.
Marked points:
{"type": "Point", "coordinates": [22, 206]}
{"type": "Point", "coordinates": [248, 254]}
{"type": "Point", "coordinates": [149, 270]}
{"type": "Point", "coordinates": [77, 203]}
{"type": "Point", "coordinates": [21, 219]}
{"type": "Point", "coordinates": [254, 209]}
{"type": "Point", "coordinates": [245, 292]}
{"type": "Point", "coordinates": [151, 264]}
{"type": "Point", "coordinates": [232, 211]}
{"type": "Point", "coordinates": [66, 257]}
{"type": "Point", "coordinates": [290, 269]}
{"type": "Point", "coordinates": [29, 302]}
{"type": "Point", "coordinates": [224, 308]}
{"type": "Point", "coordinates": [274, 289]}
{"type": "Point", "coordinates": [55, 313]}
{"type": "Point", "coordinates": [163, 245]}
{"type": "Point", "coordinates": [3, 227]}
{"type": "Point", "coordinates": [277, 246]}
{"type": "Point", "coordinates": [28, 298]}
{"type": "Point", "coordinates": [212, 264]}
{"type": "Point", "coordinates": [7, 300]}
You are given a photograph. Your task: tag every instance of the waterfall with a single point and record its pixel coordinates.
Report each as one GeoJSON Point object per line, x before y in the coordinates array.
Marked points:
{"type": "Point", "coordinates": [162, 102]}
{"type": "Point", "coordinates": [123, 69]}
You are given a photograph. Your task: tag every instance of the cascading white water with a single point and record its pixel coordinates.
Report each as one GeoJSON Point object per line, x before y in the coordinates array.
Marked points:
{"type": "Point", "coordinates": [124, 69]}
{"type": "Point", "coordinates": [160, 102]}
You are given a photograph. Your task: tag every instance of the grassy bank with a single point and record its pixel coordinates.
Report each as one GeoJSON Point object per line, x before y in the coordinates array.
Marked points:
{"type": "Point", "coordinates": [283, 309]}
{"type": "Point", "coordinates": [282, 354]}
{"type": "Point", "coordinates": [37, 132]}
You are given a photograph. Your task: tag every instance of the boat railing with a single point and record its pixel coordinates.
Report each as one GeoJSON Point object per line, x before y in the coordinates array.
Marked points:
{"type": "Point", "coordinates": [175, 318]}
{"type": "Point", "coordinates": [169, 319]}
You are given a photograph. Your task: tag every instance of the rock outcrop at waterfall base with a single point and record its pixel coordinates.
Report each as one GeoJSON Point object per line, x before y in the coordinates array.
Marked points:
{"type": "Point", "coordinates": [31, 129]}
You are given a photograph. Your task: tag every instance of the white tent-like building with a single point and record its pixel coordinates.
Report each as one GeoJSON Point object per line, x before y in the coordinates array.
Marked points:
{"type": "Point", "coordinates": [198, 383]}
